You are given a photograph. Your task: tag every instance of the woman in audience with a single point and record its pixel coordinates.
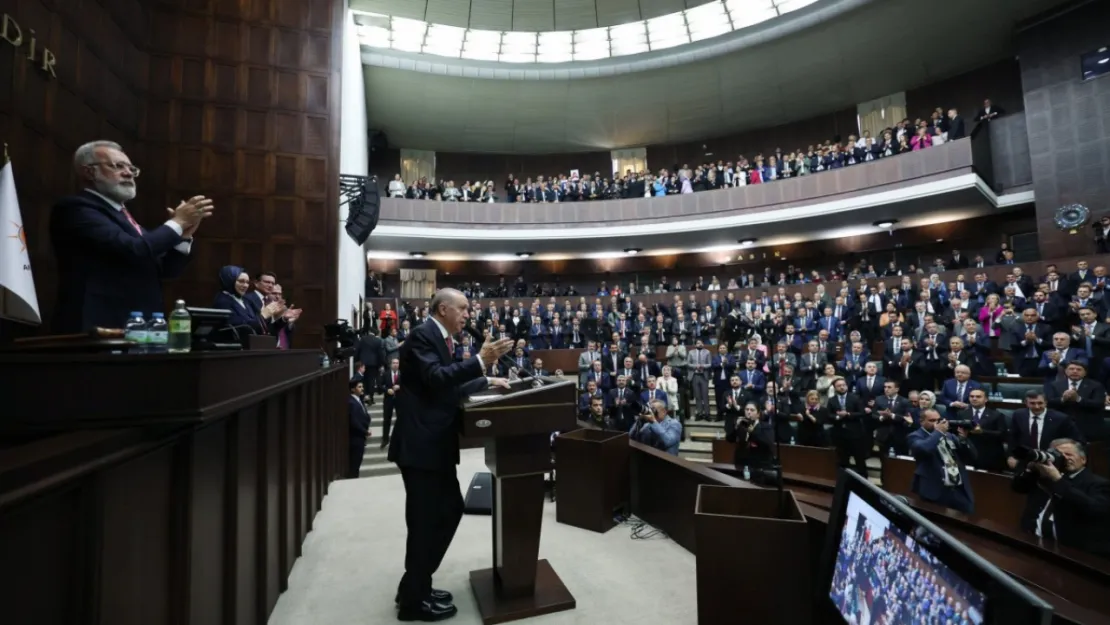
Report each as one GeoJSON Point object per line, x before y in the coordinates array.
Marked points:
{"type": "Point", "coordinates": [234, 284]}
{"type": "Point", "coordinates": [714, 284]}
{"type": "Point", "coordinates": [669, 385]}
{"type": "Point", "coordinates": [397, 187]}
{"type": "Point", "coordinates": [732, 286]}
{"type": "Point", "coordinates": [387, 319]}
{"type": "Point", "coordinates": [676, 356]}
{"type": "Point", "coordinates": [990, 316]}
{"type": "Point", "coordinates": [811, 420]}
{"type": "Point", "coordinates": [891, 315]}
{"type": "Point", "coordinates": [921, 140]}
{"type": "Point", "coordinates": [824, 383]}
{"type": "Point", "coordinates": [903, 145]}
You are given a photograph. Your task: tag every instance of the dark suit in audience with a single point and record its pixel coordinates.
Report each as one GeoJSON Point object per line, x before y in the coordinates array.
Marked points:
{"type": "Point", "coordinates": [1088, 409]}
{"type": "Point", "coordinates": [929, 474]}
{"type": "Point", "coordinates": [359, 428]}
{"type": "Point", "coordinates": [988, 438]}
{"type": "Point", "coordinates": [1075, 509]}
{"type": "Point", "coordinates": [1050, 426]}
{"type": "Point", "coordinates": [850, 434]}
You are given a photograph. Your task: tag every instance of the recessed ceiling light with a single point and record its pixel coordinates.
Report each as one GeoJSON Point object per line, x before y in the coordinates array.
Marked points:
{"type": "Point", "coordinates": [747, 242]}
{"type": "Point", "coordinates": [524, 254]}
{"type": "Point", "coordinates": [632, 250]}
{"type": "Point", "coordinates": [1102, 61]}
{"type": "Point", "coordinates": [418, 254]}
{"type": "Point", "coordinates": [885, 223]}
{"type": "Point", "coordinates": [940, 240]}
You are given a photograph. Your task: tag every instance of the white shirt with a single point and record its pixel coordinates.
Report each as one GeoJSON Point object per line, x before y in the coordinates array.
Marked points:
{"type": "Point", "coordinates": [1039, 420]}
{"type": "Point", "coordinates": [184, 247]}
{"type": "Point", "coordinates": [1051, 518]}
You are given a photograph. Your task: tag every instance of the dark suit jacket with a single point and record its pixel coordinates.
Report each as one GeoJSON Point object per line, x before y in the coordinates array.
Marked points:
{"type": "Point", "coordinates": [1056, 425]}
{"type": "Point", "coordinates": [241, 314]}
{"type": "Point", "coordinates": [956, 131]}
{"type": "Point", "coordinates": [625, 414]}
{"type": "Point", "coordinates": [385, 381]}
{"type": "Point", "coordinates": [105, 269]}
{"type": "Point", "coordinates": [358, 416]}
{"type": "Point", "coordinates": [1087, 412]}
{"type": "Point", "coordinates": [427, 437]}
{"type": "Point", "coordinates": [928, 481]}
{"type": "Point", "coordinates": [370, 351]}
{"type": "Point", "coordinates": [993, 431]}
{"type": "Point", "coordinates": [948, 393]}
{"type": "Point", "coordinates": [900, 406]}
{"type": "Point", "coordinates": [851, 426]}
{"type": "Point", "coordinates": [1081, 511]}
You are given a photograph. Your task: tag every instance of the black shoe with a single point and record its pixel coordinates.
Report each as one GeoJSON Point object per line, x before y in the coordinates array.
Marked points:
{"type": "Point", "coordinates": [428, 612]}
{"type": "Point", "coordinates": [441, 596]}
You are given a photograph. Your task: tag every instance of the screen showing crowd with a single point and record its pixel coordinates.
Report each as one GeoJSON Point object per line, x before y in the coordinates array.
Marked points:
{"type": "Point", "coordinates": [884, 577]}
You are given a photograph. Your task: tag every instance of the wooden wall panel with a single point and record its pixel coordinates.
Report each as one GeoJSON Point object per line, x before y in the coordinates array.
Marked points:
{"type": "Point", "coordinates": [244, 105]}
{"type": "Point", "coordinates": [234, 99]}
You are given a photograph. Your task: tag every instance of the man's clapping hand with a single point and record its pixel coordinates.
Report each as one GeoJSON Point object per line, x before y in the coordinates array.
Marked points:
{"type": "Point", "coordinates": [292, 315]}
{"type": "Point", "coordinates": [272, 310]}
{"type": "Point", "coordinates": [189, 213]}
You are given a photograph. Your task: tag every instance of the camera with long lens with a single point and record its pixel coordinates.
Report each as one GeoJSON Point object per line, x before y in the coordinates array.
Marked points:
{"type": "Point", "coordinates": [1041, 456]}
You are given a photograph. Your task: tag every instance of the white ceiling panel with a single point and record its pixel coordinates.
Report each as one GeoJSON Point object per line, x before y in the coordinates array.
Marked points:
{"type": "Point", "coordinates": [575, 14]}
{"type": "Point", "coordinates": [655, 8]}
{"type": "Point", "coordinates": [490, 14]}
{"type": "Point", "coordinates": [413, 9]}
{"type": "Point", "coordinates": [614, 12]}
{"type": "Point", "coordinates": [449, 12]}
{"type": "Point", "coordinates": [812, 72]}
{"type": "Point", "coordinates": [533, 15]}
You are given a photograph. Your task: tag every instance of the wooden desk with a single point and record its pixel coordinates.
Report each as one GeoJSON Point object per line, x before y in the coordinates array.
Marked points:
{"type": "Point", "coordinates": [193, 516]}
{"type": "Point", "coordinates": [818, 462]}
{"type": "Point", "coordinates": [994, 499]}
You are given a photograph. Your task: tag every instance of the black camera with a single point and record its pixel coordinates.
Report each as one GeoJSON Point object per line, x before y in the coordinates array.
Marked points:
{"type": "Point", "coordinates": [344, 334]}
{"type": "Point", "coordinates": [1049, 456]}
{"type": "Point", "coordinates": [966, 424]}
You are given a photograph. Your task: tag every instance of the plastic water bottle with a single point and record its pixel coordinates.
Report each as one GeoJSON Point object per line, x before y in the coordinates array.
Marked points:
{"type": "Point", "coordinates": [135, 330]}
{"type": "Point", "coordinates": [157, 334]}
{"type": "Point", "coordinates": [890, 452]}
{"type": "Point", "coordinates": [747, 473]}
{"type": "Point", "coordinates": [792, 440]}
{"type": "Point", "coordinates": [325, 362]}
{"type": "Point", "coordinates": [181, 329]}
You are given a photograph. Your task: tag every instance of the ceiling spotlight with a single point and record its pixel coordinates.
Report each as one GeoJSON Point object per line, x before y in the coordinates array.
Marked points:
{"type": "Point", "coordinates": [747, 242]}
{"type": "Point", "coordinates": [418, 254]}
{"type": "Point", "coordinates": [940, 240]}
{"type": "Point", "coordinates": [885, 223]}
{"type": "Point", "coordinates": [632, 250]}
{"type": "Point", "coordinates": [524, 254]}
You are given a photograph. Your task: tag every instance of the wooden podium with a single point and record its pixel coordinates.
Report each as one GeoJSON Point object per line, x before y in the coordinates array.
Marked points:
{"type": "Point", "coordinates": [516, 425]}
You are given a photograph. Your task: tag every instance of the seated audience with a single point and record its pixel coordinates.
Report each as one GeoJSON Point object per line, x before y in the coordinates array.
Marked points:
{"type": "Point", "coordinates": [234, 284]}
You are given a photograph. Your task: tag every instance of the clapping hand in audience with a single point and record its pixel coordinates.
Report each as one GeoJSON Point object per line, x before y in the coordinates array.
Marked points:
{"type": "Point", "coordinates": [189, 213]}
{"type": "Point", "coordinates": [292, 315]}
{"type": "Point", "coordinates": [272, 310]}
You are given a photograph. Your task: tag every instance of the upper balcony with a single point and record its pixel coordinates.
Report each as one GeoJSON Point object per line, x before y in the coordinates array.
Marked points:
{"type": "Point", "coordinates": [940, 183]}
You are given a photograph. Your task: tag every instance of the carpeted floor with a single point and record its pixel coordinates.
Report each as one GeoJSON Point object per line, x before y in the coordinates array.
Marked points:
{"type": "Point", "coordinates": [354, 558]}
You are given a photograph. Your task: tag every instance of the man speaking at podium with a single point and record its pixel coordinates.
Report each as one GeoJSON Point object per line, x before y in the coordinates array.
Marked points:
{"type": "Point", "coordinates": [425, 445]}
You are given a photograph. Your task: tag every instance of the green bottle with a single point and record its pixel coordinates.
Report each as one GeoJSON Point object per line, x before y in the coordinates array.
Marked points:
{"type": "Point", "coordinates": [181, 329]}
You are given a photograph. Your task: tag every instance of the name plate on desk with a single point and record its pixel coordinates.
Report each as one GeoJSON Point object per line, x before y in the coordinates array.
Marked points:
{"type": "Point", "coordinates": [65, 391]}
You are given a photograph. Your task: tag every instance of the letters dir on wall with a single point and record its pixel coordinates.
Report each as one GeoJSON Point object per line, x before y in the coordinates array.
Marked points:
{"type": "Point", "coordinates": [40, 56]}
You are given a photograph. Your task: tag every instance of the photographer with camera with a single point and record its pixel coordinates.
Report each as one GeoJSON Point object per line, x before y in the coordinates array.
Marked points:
{"type": "Point", "coordinates": [754, 437]}
{"type": "Point", "coordinates": [940, 475]}
{"type": "Point", "coordinates": [657, 428]}
{"type": "Point", "coordinates": [1066, 501]}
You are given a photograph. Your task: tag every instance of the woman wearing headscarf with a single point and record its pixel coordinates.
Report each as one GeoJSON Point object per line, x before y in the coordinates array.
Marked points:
{"type": "Point", "coordinates": [234, 283]}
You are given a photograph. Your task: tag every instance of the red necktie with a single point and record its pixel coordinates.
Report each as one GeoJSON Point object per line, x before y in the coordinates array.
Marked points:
{"type": "Point", "coordinates": [131, 219]}
{"type": "Point", "coordinates": [450, 345]}
{"type": "Point", "coordinates": [394, 378]}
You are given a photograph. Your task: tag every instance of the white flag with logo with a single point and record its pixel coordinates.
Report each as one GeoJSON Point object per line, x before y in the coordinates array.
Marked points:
{"type": "Point", "coordinates": [17, 286]}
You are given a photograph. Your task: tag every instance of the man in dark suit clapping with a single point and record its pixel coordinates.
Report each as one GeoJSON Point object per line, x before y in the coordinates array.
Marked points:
{"type": "Point", "coordinates": [849, 433]}
{"type": "Point", "coordinates": [370, 351]}
{"type": "Point", "coordinates": [109, 265]}
{"type": "Point", "coordinates": [425, 446]}
{"type": "Point", "coordinates": [1081, 398]}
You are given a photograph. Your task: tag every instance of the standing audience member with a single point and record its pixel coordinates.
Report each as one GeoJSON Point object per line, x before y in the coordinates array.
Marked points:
{"type": "Point", "coordinates": [108, 265]}
{"type": "Point", "coordinates": [359, 429]}
{"type": "Point", "coordinates": [940, 476]}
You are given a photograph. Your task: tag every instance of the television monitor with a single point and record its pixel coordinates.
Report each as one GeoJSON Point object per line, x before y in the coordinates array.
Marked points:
{"type": "Point", "coordinates": [885, 564]}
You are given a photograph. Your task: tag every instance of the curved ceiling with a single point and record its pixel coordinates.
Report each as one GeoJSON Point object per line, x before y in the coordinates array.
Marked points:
{"type": "Point", "coordinates": [864, 54]}
{"type": "Point", "coordinates": [527, 15]}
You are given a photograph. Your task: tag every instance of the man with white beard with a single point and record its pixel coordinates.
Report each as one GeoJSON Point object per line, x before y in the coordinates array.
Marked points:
{"type": "Point", "coordinates": [108, 265]}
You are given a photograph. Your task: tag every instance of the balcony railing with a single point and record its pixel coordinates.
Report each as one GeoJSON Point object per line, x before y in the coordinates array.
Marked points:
{"type": "Point", "coordinates": [933, 164]}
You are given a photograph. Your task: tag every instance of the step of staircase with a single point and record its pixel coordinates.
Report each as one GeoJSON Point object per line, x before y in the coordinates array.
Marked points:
{"type": "Point", "coordinates": [374, 460]}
